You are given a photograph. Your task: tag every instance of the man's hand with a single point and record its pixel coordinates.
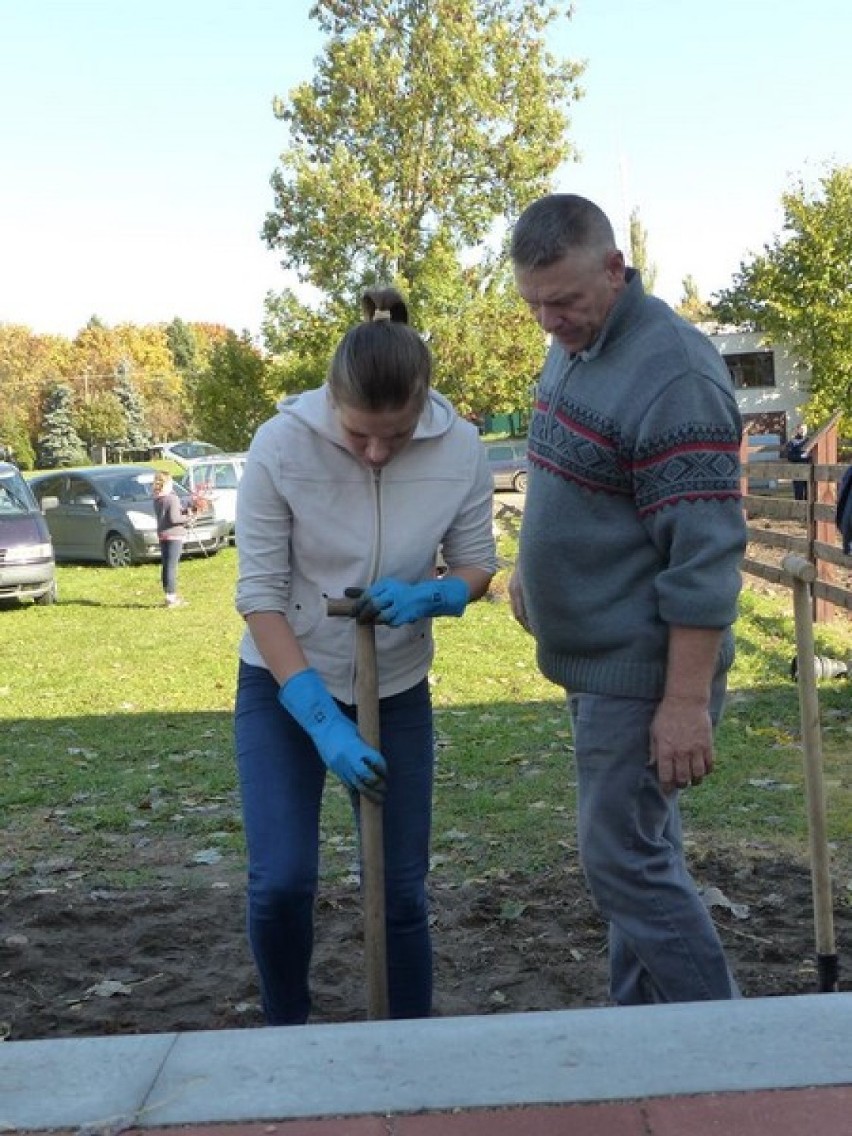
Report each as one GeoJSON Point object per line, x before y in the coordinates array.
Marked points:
{"type": "Point", "coordinates": [516, 599]}
{"type": "Point", "coordinates": [681, 743]}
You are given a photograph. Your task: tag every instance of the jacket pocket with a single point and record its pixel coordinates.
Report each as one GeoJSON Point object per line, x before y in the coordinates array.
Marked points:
{"type": "Point", "coordinates": [307, 607]}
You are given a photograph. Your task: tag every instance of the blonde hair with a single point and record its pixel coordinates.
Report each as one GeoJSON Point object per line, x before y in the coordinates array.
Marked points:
{"type": "Point", "coordinates": [161, 479]}
{"type": "Point", "coordinates": [381, 363]}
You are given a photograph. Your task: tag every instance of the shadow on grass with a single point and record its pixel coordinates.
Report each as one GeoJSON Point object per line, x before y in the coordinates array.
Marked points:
{"type": "Point", "coordinates": [504, 775]}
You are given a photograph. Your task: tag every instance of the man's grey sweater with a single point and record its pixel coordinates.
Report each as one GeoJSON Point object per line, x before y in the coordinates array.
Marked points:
{"type": "Point", "coordinates": [633, 521]}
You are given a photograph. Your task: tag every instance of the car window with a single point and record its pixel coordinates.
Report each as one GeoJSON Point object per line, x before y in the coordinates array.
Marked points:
{"type": "Point", "coordinates": [129, 487]}
{"type": "Point", "coordinates": [500, 453]}
{"type": "Point", "coordinates": [50, 487]}
{"type": "Point", "coordinates": [189, 450]}
{"type": "Point", "coordinates": [200, 475]}
{"type": "Point", "coordinates": [15, 496]}
{"type": "Point", "coordinates": [224, 476]}
{"type": "Point", "coordinates": [78, 487]}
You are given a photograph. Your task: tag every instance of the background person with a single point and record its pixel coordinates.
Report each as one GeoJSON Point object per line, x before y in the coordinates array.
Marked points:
{"type": "Point", "coordinates": [171, 532]}
{"type": "Point", "coordinates": [355, 484]}
{"type": "Point", "coordinates": [628, 576]}
{"type": "Point", "coordinates": [797, 451]}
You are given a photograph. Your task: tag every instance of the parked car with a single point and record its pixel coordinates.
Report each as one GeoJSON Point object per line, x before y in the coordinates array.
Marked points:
{"type": "Point", "coordinates": [27, 568]}
{"type": "Point", "coordinates": [508, 462]}
{"type": "Point", "coordinates": [184, 452]}
{"type": "Point", "coordinates": [215, 479]}
{"type": "Point", "coordinates": [106, 513]}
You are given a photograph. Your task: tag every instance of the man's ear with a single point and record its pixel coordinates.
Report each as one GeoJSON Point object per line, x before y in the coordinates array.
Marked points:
{"type": "Point", "coordinates": [615, 265]}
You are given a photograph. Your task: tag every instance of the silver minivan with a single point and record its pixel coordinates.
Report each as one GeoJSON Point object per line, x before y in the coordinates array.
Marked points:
{"type": "Point", "coordinates": [215, 479]}
{"type": "Point", "coordinates": [27, 566]}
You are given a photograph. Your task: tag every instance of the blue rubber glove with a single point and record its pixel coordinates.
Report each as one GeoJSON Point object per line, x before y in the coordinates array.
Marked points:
{"type": "Point", "coordinates": [336, 737]}
{"type": "Point", "coordinates": [395, 603]}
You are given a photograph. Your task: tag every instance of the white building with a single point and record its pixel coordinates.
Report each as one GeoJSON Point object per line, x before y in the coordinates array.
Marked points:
{"type": "Point", "coordinates": [770, 384]}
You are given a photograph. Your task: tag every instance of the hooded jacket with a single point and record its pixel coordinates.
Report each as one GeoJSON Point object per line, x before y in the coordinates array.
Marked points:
{"type": "Point", "coordinates": [313, 520]}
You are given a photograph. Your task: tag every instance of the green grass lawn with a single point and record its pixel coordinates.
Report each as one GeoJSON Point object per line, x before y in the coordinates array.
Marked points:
{"type": "Point", "coordinates": [115, 721]}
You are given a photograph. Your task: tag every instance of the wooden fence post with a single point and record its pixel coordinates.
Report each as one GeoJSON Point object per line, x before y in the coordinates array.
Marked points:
{"type": "Point", "coordinates": [823, 452]}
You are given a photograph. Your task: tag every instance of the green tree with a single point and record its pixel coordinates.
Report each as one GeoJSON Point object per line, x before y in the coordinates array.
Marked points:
{"type": "Point", "coordinates": [428, 122]}
{"type": "Point", "coordinates": [102, 420]}
{"type": "Point", "coordinates": [136, 434]}
{"type": "Point", "coordinates": [59, 444]}
{"type": "Point", "coordinates": [182, 345]}
{"type": "Point", "coordinates": [639, 258]}
{"type": "Point", "coordinates": [234, 393]}
{"type": "Point", "coordinates": [30, 365]}
{"type": "Point", "coordinates": [691, 306]}
{"type": "Point", "coordinates": [487, 350]}
{"type": "Point", "coordinates": [301, 339]}
{"type": "Point", "coordinates": [797, 290]}
{"type": "Point", "coordinates": [15, 439]}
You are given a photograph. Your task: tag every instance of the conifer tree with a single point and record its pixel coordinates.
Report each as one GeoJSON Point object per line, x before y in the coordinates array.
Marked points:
{"type": "Point", "coordinates": [59, 445]}
{"type": "Point", "coordinates": [137, 436]}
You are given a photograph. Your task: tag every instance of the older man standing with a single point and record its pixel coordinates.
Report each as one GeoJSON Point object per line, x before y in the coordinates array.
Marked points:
{"type": "Point", "coordinates": [628, 577]}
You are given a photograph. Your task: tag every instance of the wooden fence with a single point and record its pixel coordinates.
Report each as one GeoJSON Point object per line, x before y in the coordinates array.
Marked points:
{"type": "Point", "coordinates": [810, 524]}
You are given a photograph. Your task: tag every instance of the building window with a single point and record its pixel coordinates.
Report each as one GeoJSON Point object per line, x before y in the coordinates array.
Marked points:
{"type": "Point", "coordinates": [752, 369]}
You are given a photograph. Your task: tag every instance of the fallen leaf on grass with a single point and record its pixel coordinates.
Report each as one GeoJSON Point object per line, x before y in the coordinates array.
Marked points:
{"type": "Point", "coordinates": [455, 834]}
{"type": "Point", "coordinates": [512, 909]}
{"type": "Point", "coordinates": [55, 864]}
{"type": "Point", "coordinates": [714, 897]}
{"type": "Point", "coordinates": [108, 988]}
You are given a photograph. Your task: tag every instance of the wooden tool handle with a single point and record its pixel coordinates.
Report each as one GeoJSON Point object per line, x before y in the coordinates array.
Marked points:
{"type": "Point", "coordinates": [803, 574]}
{"type": "Point", "coordinates": [372, 829]}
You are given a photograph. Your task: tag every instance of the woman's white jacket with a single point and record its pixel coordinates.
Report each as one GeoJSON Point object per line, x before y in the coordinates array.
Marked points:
{"type": "Point", "coordinates": [312, 520]}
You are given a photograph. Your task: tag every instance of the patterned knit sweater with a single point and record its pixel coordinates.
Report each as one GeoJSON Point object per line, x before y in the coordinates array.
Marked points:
{"type": "Point", "coordinates": [633, 520]}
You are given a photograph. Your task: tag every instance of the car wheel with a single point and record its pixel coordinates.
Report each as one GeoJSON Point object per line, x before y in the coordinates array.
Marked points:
{"type": "Point", "coordinates": [117, 552]}
{"type": "Point", "coordinates": [48, 597]}
{"type": "Point", "coordinates": [519, 482]}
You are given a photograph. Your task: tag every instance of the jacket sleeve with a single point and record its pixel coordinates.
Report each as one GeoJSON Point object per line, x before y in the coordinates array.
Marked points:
{"type": "Point", "coordinates": [686, 478]}
{"type": "Point", "coordinates": [263, 530]}
{"type": "Point", "coordinates": [177, 515]}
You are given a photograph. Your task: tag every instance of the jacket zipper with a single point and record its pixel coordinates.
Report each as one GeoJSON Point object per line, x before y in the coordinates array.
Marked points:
{"type": "Point", "coordinates": [377, 527]}
{"type": "Point", "coordinates": [561, 383]}
{"type": "Point", "coordinates": [376, 476]}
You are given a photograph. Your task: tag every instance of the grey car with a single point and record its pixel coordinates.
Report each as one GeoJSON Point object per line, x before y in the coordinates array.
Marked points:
{"type": "Point", "coordinates": [183, 452]}
{"type": "Point", "coordinates": [508, 463]}
{"type": "Point", "coordinates": [106, 514]}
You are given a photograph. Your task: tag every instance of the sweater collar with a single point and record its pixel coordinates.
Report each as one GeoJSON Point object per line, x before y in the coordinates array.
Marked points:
{"type": "Point", "coordinates": [621, 315]}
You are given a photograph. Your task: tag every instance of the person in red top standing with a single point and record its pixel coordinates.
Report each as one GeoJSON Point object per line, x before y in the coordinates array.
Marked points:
{"type": "Point", "coordinates": [171, 530]}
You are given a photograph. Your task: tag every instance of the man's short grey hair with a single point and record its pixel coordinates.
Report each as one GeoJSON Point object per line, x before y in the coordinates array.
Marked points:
{"type": "Point", "coordinates": [555, 225]}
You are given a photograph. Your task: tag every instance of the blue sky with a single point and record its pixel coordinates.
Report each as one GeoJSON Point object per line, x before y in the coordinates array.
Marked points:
{"type": "Point", "coordinates": [137, 140]}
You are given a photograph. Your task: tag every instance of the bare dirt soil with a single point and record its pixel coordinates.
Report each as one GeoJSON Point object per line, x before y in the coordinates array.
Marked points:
{"type": "Point", "coordinates": [82, 960]}
{"type": "Point", "coordinates": [78, 960]}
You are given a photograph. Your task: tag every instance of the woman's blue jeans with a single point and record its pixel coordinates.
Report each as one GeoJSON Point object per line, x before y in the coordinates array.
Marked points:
{"type": "Point", "coordinates": [281, 781]}
{"type": "Point", "coordinates": [170, 551]}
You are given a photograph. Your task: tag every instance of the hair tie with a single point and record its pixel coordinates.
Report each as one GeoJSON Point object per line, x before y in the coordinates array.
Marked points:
{"type": "Point", "coordinates": [381, 314]}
